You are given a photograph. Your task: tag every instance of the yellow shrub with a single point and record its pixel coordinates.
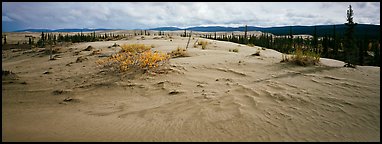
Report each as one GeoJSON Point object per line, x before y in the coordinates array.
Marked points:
{"type": "Point", "coordinates": [134, 56]}
{"type": "Point", "coordinates": [134, 48]}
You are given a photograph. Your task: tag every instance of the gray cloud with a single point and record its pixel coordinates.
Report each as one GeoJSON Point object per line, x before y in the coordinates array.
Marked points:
{"type": "Point", "coordinates": [132, 15]}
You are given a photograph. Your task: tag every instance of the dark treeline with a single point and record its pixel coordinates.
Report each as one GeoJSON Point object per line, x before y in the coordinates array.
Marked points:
{"type": "Point", "coordinates": [52, 39]}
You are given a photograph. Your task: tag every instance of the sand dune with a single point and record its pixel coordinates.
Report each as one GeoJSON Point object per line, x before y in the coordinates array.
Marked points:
{"type": "Point", "coordinates": [213, 95]}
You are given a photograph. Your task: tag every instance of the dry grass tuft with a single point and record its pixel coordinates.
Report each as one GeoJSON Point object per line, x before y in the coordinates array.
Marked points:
{"type": "Point", "coordinates": [250, 45]}
{"type": "Point", "coordinates": [203, 44]}
{"type": "Point", "coordinates": [134, 48]}
{"type": "Point", "coordinates": [179, 52]}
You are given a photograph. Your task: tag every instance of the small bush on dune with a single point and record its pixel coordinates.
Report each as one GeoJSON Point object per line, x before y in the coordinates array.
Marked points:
{"type": "Point", "coordinates": [203, 44]}
{"type": "Point", "coordinates": [134, 57]}
{"type": "Point", "coordinates": [179, 52]}
{"type": "Point", "coordinates": [302, 58]}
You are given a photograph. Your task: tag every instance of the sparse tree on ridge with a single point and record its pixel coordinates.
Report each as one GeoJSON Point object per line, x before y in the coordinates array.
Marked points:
{"type": "Point", "coordinates": [349, 44]}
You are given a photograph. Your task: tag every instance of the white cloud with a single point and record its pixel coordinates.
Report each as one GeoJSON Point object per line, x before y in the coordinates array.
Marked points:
{"type": "Point", "coordinates": [131, 15]}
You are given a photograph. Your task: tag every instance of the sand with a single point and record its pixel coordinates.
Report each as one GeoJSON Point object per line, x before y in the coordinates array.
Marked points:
{"type": "Point", "coordinates": [213, 95]}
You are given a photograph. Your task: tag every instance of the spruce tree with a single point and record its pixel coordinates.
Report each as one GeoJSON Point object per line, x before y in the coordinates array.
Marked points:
{"type": "Point", "coordinates": [377, 52]}
{"type": "Point", "coordinates": [349, 44]}
{"type": "Point", "coordinates": [245, 34]}
{"type": "Point", "coordinates": [315, 40]}
{"type": "Point", "coordinates": [290, 38]}
{"type": "Point", "coordinates": [325, 46]}
{"type": "Point", "coordinates": [335, 41]}
{"type": "Point", "coordinates": [42, 40]}
{"type": "Point", "coordinates": [30, 41]}
{"type": "Point", "coordinates": [5, 39]}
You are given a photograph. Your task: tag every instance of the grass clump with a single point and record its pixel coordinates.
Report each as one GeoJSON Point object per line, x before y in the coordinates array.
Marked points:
{"type": "Point", "coordinates": [179, 52]}
{"type": "Point", "coordinates": [203, 44]}
{"type": "Point", "coordinates": [134, 57]}
{"type": "Point", "coordinates": [302, 58]}
{"type": "Point", "coordinates": [250, 45]}
{"type": "Point", "coordinates": [134, 48]}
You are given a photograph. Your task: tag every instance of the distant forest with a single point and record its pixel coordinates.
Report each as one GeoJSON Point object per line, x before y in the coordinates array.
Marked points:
{"type": "Point", "coordinates": [355, 44]}
{"type": "Point", "coordinates": [372, 31]}
{"type": "Point", "coordinates": [328, 43]}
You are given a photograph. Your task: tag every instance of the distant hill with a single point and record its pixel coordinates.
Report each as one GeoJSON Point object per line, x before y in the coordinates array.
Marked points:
{"type": "Point", "coordinates": [62, 30]}
{"type": "Point", "coordinates": [166, 29]}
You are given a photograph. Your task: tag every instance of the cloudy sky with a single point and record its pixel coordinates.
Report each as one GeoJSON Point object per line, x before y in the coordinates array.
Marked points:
{"type": "Point", "coordinates": [134, 15]}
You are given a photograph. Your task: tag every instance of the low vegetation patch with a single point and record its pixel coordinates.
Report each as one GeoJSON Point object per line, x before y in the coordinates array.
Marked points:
{"type": "Point", "coordinates": [134, 57]}
{"type": "Point", "coordinates": [135, 48]}
{"type": "Point", "coordinates": [179, 52]}
{"type": "Point", "coordinates": [302, 58]}
{"type": "Point", "coordinates": [250, 45]}
{"type": "Point", "coordinates": [203, 44]}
